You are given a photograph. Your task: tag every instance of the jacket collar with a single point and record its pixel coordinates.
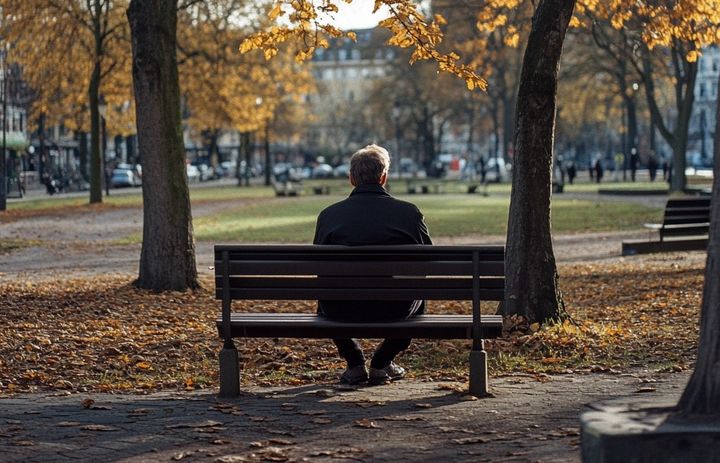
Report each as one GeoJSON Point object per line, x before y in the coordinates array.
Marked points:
{"type": "Point", "coordinates": [369, 188]}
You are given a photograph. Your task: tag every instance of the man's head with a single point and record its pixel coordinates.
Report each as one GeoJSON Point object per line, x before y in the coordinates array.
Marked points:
{"type": "Point", "coordinates": [369, 165]}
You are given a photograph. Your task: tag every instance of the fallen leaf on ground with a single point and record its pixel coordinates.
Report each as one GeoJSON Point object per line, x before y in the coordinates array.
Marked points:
{"type": "Point", "coordinates": [99, 427]}
{"type": "Point", "coordinates": [197, 424]}
{"type": "Point", "coordinates": [366, 423]}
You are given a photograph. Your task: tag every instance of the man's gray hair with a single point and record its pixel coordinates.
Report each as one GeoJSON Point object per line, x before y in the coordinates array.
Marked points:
{"type": "Point", "coordinates": [368, 164]}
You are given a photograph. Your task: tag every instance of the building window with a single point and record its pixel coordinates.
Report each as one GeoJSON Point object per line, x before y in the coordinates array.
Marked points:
{"type": "Point", "coordinates": [715, 65]}
{"type": "Point", "coordinates": [342, 54]}
{"type": "Point", "coordinates": [327, 74]}
{"type": "Point", "coordinates": [702, 92]}
{"type": "Point", "coordinates": [355, 54]}
{"type": "Point", "coordinates": [714, 90]}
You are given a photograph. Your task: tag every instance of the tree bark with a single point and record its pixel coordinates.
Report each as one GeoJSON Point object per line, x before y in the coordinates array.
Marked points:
{"type": "Point", "coordinates": [83, 155]}
{"type": "Point", "coordinates": [167, 260]}
{"type": "Point", "coordinates": [531, 279]}
{"type": "Point", "coordinates": [95, 156]}
{"type": "Point", "coordinates": [702, 393]}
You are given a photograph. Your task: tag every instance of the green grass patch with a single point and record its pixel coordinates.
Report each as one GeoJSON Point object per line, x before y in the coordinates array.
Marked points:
{"type": "Point", "coordinates": [293, 219]}
{"type": "Point", "coordinates": [13, 244]}
{"type": "Point", "coordinates": [134, 199]}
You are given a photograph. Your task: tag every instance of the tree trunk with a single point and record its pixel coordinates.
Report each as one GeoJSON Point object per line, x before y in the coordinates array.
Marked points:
{"type": "Point", "coordinates": [268, 158]}
{"type": "Point", "coordinates": [531, 279]}
{"type": "Point", "coordinates": [95, 156]}
{"type": "Point", "coordinates": [83, 155]}
{"type": "Point", "coordinates": [167, 260]}
{"type": "Point", "coordinates": [702, 393]}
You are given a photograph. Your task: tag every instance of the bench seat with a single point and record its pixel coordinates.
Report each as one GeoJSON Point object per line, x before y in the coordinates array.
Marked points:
{"type": "Point", "coordinates": [297, 325]}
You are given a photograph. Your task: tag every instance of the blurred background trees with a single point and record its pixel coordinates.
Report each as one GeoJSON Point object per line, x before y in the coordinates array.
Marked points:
{"type": "Point", "coordinates": [633, 91]}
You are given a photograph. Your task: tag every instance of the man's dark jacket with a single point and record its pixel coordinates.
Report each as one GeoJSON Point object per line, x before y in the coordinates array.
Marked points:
{"type": "Point", "coordinates": [370, 216]}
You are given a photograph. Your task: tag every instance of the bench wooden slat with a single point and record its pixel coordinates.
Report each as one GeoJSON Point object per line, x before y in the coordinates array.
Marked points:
{"type": "Point", "coordinates": [293, 325]}
{"type": "Point", "coordinates": [379, 284]}
{"type": "Point", "coordinates": [358, 268]}
{"type": "Point", "coordinates": [671, 220]}
{"type": "Point", "coordinates": [421, 251]}
{"type": "Point", "coordinates": [354, 294]}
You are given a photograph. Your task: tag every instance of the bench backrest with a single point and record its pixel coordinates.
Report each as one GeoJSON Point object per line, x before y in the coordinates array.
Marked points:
{"type": "Point", "coordinates": [308, 272]}
{"type": "Point", "coordinates": [687, 210]}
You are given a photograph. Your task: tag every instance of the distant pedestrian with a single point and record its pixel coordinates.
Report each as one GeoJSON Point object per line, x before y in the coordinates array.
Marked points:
{"type": "Point", "coordinates": [483, 169]}
{"type": "Point", "coordinates": [634, 161]}
{"type": "Point", "coordinates": [652, 166]}
{"type": "Point", "coordinates": [598, 170]}
{"type": "Point", "coordinates": [571, 171]}
{"type": "Point", "coordinates": [108, 179]}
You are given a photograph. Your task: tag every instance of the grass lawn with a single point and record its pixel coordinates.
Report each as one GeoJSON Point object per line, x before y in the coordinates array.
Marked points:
{"type": "Point", "coordinates": [120, 198]}
{"type": "Point", "coordinates": [292, 220]}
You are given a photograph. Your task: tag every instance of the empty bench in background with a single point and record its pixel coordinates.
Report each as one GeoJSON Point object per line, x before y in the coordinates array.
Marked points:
{"type": "Point", "coordinates": [684, 217]}
{"type": "Point", "coordinates": [311, 272]}
{"type": "Point", "coordinates": [685, 220]}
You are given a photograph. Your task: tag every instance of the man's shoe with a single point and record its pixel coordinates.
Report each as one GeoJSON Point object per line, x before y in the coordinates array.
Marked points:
{"type": "Point", "coordinates": [392, 372]}
{"type": "Point", "coordinates": [354, 375]}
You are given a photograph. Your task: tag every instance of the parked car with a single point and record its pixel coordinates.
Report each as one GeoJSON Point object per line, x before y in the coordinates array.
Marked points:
{"type": "Point", "coordinates": [496, 170]}
{"type": "Point", "coordinates": [193, 173]}
{"type": "Point", "coordinates": [322, 171]}
{"type": "Point", "coordinates": [206, 172]}
{"type": "Point", "coordinates": [341, 171]}
{"type": "Point", "coordinates": [124, 178]}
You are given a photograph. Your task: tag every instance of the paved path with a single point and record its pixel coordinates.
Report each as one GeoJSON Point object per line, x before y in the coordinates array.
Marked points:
{"type": "Point", "coordinates": [528, 420]}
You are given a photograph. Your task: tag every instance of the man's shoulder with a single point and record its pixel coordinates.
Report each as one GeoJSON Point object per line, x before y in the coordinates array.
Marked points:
{"type": "Point", "coordinates": [335, 207]}
{"type": "Point", "coordinates": [407, 205]}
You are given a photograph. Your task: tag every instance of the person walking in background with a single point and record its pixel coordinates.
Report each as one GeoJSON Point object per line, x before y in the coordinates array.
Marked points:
{"type": "Point", "coordinates": [598, 170]}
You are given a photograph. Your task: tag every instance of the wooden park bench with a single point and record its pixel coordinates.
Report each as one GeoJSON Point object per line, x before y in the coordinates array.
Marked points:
{"type": "Point", "coordinates": [310, 272]}
{"type": "Point", "coordinates": [684, 217]}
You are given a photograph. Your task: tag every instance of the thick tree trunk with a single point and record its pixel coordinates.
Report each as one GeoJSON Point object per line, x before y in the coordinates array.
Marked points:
{"type": "Point", "coordinates": [167, 260]}
{"type": "Point", "coordinates": [702, 393]}
{"type": "Point", "coordinates": [531, 279]}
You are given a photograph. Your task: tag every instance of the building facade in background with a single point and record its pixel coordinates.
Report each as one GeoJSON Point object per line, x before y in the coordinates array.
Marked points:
{"type": "Point", "coordinates": [702, 123]}
{"type": "Point", "coordinates": [346, 73]}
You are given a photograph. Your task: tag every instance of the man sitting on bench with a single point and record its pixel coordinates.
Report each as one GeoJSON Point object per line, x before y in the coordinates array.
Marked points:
{"type": "Point", "coordinates": [370, 216]}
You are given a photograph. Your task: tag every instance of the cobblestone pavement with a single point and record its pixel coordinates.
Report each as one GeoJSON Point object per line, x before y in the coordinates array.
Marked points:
{"type": "Point", "coordinates": [529, 419]}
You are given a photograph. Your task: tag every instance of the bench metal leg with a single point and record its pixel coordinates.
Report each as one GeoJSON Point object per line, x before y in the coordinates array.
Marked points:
{"type": "Point", "coordinates": [229, 371]}
{"type": "Point", "coordinates": [478, 373]}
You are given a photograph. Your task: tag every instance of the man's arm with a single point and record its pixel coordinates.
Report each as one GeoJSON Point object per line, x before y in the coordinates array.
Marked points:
{"type": "Point", "coordinates": [319, 235]}
{"type": "Point", "coordinates": [424, 234]}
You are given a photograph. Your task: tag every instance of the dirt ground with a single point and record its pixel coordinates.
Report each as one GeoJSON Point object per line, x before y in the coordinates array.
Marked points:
{"type": "Point", "coordinates": [528, 419]}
